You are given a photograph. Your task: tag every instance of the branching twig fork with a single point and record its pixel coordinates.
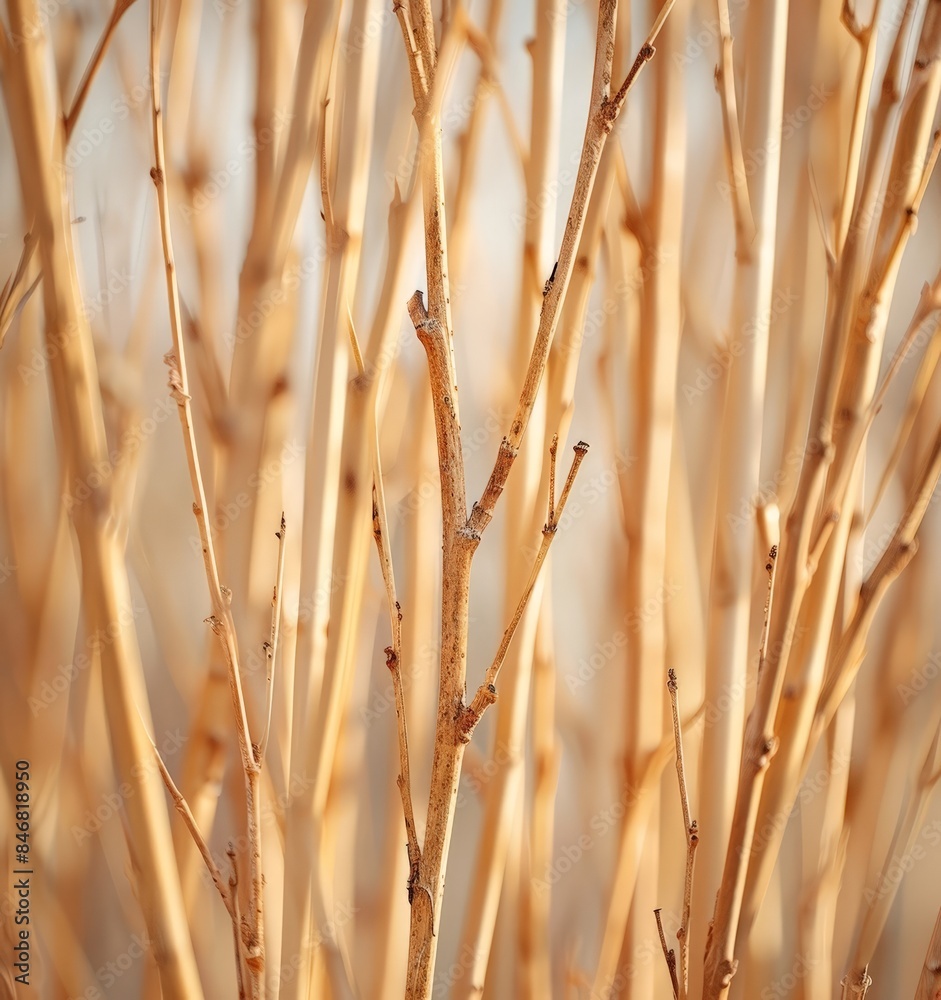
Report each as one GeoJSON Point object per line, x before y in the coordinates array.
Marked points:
{"type": "Point", "coordinates": [668, 954]}
{"type": "Point", "coordinates": [461, 534]}
{"type": "Point", "coordinates": [603, 114]}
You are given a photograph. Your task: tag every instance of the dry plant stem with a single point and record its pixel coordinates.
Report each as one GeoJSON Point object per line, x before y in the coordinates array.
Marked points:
{"type": "Point", "coordinates": [460, 534]}
{"type": "Point", "coordinates": [428, 887]}
{"type": "Point", "coordinates": [546, 754]}
{"type": "Point", "coordinates": [928, 305]}
{"type": "Point", "coordinates": [271, 647]}
{"type": "Point", "coordinates": [314, 58]}
{"type": "Point", "coordinates": [692, 840]}
{"type": "Point", "coordinates": [487, 692]}
{"type": "Point", "coordinates": [848, 657]}
{"type": "Point", "coordinates": [873, 312]}
{"type": "Point", "coordinates": [560, 386]}
{"type": "Point", "coordinates": [262, 337]}
{"type": "Point", "coordinates": [929, 983]}
{"type": "Point", "coordinates": [364, 405]}
{"type": "Point", "coordinates": [668, 955]}
{"type": "Point", "coordinates": [470, 138]}
{"type": "Point", "coordinates": [240, 966]}
{"type": "Point", "coordinates": [419, 642]}
{"type": "Point", "coordinates": [12, 299]}
{"type": "Point", "coordinates": [730, 592]}
{"type": "Point", "coordinates": [909, 826]}
{"type": "Point", "coordinates": [629, 850]}
{"type": "Point", "coordinates": [351, 536]}
{"type": "Point", "coordinates": [867, 39]}
{"type": "Point", "coordinates": [735, 158]}
{"type": "Point", "coordinates": [380, 522]}
{"type": "Point", "coordinates": [257, 363]}
{"type": "Point", "coordinates": [854, 335]}
{"type": "Point", "coordinates": [654, 356]}
{"type": "Point", "coordinates": [335, 535]}
{"type": "Point", "coordinates": [897, 555]}
{"type": "Point", "coordinates": [394, 663]}
{"type": "Point", "coordinates": [221, 619]}
{"type": "Point", "coordinates": [262, 340]}
{"type": "Point", "coordinates": [30, 276]}
{"type": "Point", "coordinates": [856, 988]}
{"type": "Point", "coordinates": [602, 115]}
{"type": "Point", "coordinates": [186, 813]}
{"type": "Point", "coordinates": [895, 650]}
{"type": "Point", "coordinates": [797, 568]}
{"type": "Point", "coordinates": [80, 432]}
{"type": "Point", "coordinates": [10, 303]}
{"type": "Point", "coordinates": [421, 51]}
{"type": "Point", "coordinates": [78, 102]}
{"type": "Point", "coordinates": [820, 892]}
{"type": "Point", "coordinates": [493, 889]}
{"type": "Point", "coordinates": [759, 747]}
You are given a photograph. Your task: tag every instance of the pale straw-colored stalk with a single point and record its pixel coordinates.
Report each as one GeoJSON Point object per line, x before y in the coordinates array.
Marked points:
{"type": "Point", "coordinates": [525, 515]}
{"type": "Point", "coordinates": [335, 536]}
{"type": "Point", "coordinates": [654, 389]}
{"type": "Point", "coordinates": [38, 142]}
{"type": "Point", "coordinates": [741, 435]}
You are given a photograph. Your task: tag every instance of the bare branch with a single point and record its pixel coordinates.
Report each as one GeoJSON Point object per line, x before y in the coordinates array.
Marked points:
{"type": "Point", "coordinates": [692, 840]}
{"type": "Point", "coordinates": [487, 692]}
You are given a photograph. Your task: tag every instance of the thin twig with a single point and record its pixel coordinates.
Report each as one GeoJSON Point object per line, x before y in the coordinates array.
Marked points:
{"type": "Point", "coordinates": [271, 647]}
{"type": "Point", "coordinates": [121, 7]}
{"type": "Point", "coordinates": [237, 922]}
{"type": "Point", "coordinates": [897, 555]}
{"type": "Point", "coordinates": [10, 303]}
{"type": "Point", "coordinates": [221, 620]}
{"type": "Point", "coordinates": [461, 534]}
{"type": "Point", "coordinates": [487, 692]}
{"type": "Point", "coordinates": [76, 411]}
{"type": "Point", "coordinates": [871, 300]}
{"type": "Point", "coordinates": [182, 807]}
{"type": "Point", "coordinates": [553, 452]}
{"type": "Point", "coordinates": [603, 114]}
{"type": "Point", "coordinates": [881, 895]}
{"type": "Point", "coordinates": [928, 304]}
{"type": "Point", "coordinates": [667, 954]}
{"type": "Point", "coordinates": [735, 158]}
{"type": "Point", "coordinates": [692, 839]}
{"type": "Point", "coordinates": [857, 987]}
{"type": "Point", "coordinates": [760, 745]}
{"type": "Point", "coordinates": [929, 983]}
{"type": "Point", "coordinates": [416, 61]}
{"type": "Point", "coordinates": [394, 652]}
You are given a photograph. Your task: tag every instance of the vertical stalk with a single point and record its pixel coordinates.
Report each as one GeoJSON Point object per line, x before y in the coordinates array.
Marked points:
{"type": "Point", "coordinates": [461, 534]}
{"type": "Point", "coordinates": [37, 135]}
{"type": "Point", "coordinates": [525, 513]}
{"type": "Point", "coordinates": [740, 438]}
{"type": "Point", "coordinates": [655, 387]}
{"type": "Point", "coordinates": [336, 535]}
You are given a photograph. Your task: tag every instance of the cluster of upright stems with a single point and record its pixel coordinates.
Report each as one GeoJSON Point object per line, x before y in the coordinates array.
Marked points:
{"type": "Point", "coordinates": [815, 589]}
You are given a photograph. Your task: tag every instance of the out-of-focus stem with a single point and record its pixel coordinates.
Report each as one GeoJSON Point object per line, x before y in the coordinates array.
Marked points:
{"type": "Point", "coordinates": [524, 512]}
{"type": "Point", "coordinates": [655, 393]}
{"type": "Point", "coordinates": [740, 441]}
{"type": "Point", "coordinates": [335, 534]}
{"type": "Point", "coordinates": [38, 143]}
